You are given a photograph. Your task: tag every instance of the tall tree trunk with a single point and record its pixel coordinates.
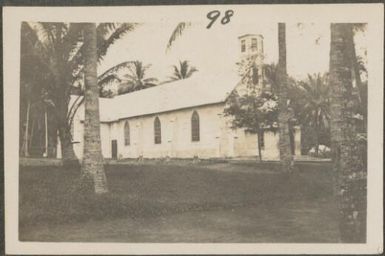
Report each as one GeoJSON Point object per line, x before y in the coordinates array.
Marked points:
{"type": "Point", "coordinates": [46, 132]}
{"type": "Point", "coordinates": [357, 75]}
{"type": "Point", "coordinates": [52, 133]}
{"type": "Point", "coordinates": [25, 143]}
{"type": "Point", "coordinates": [31, 148]}
{"type": "Point", "coordinates": [285, 155]}
{"type": "Point", "coordinates": [92, 166]}
{"type": "Point", "coordinates": [350, 183]}
{"type": "Point", "coordinates": [292, 138]}
{"type": "Point", "coordinates": [63, 82]}
{"type": "Point", "coordinates": [316, 137]}
{"type": "Point", "coordinates": [68, 154]}
{"type": "Point", "coordinates": [259, 143]}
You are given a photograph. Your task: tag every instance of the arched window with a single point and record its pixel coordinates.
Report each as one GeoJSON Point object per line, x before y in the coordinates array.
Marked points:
{"type": "Point", "coordinates": [126, 133]}
{"type": "Point", "coordinates": [157, 131]}
{"type": "Point", "coordinates": [195, 134]}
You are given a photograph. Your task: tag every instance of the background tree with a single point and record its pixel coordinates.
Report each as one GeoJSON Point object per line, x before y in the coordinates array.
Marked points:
{"type": "Point", "coordinates": [136, 79]}
{"type": "Point", "coordinates": [255, 113]}
{"type": "Point", "coordinates": [59, 46]}
{"type": "Point", "coordinates": [312, 111]}
{"type": "Point", "coordinates": [347, 156]}
{"type": "Point", "coordinates": [92, 165]}
{"type": "Point", "coordinates": [183, 71]}
{"type": "Point", "coordinates": [254, 109]}
{"type": "Point", "coordinates": [34, 79]}
{"type": "Point", "coordinates": [285, 114]}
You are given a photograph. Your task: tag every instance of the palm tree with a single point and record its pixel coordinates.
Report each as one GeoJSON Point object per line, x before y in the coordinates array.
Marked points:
{"type": "Point", "coordinates": [59, 46]}
{"type": "Point", "coordinates": [136, 79]}
{"type": "Point", "coordinates": [183, 71]}
{"type": "Point", "coordinates": [346, 161]}
{"type": "Point", "coordinates": [32, 82]}
{"type": "Point", "coordinates": [284, 115]}
{"type": "Point", "coordinates": [314, 111]}
{"type": "Point", "coordinates": [92, 166]}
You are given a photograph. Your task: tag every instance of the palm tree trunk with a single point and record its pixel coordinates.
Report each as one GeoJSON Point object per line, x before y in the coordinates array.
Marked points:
{"type": "Point", "coordinates": [46, 132]}
{"type": "Point", "coordinates": [25, 144]}
{"type": "Point", "coordinates": [316, 135]}
{"type": "Point", "coordinates": [357, 75]}
{"type": "Point", "coordinates": [285, 155]}
{"type": "Point", "coordinates": [52, 133]}
{"type": "Point", "coordinates": [92, 166]}
{"type": "Point", "coordinates": [349, 187]}
{"type": "Point", "coordinates": [68, 154]}
{"type": "Point", "coordinates": [259, 143]}
{"type": "Point", "coordinates": [31, 148]}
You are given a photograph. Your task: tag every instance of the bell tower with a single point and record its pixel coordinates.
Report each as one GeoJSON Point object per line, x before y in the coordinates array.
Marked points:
{"type": "Point", "coordinates": [251, 46]}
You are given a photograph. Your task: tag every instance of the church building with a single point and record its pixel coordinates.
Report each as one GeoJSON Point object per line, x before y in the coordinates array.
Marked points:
{"type": "Point", "coordinates": [181, 119]}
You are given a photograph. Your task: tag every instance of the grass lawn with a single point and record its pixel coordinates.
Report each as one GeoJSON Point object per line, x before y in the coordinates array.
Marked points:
{"type": "Point", "coordinates": [175, 203]}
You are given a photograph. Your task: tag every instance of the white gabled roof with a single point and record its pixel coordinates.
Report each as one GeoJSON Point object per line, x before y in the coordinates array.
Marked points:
{"type": "Point", "coordinates": [187, 93]}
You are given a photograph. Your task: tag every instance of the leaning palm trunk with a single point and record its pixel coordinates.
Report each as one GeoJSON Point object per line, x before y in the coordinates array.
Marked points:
{"type": "Point", "coordinates": [350, 171]}
{"type": "Point", "coordinates": [92, 166]}
{"type": "Point", "coordinates": [285, 155]}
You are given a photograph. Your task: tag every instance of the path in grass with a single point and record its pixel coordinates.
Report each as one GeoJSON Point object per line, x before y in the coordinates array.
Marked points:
{"type": "Point", "coordinates": [168, 203]}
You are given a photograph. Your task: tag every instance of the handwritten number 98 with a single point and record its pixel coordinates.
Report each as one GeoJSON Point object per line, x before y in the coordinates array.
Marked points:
{"type": "Point", "coordinates": [214, 15]}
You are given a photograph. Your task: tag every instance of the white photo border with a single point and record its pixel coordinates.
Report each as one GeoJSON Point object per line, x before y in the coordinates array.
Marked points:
{"type": "Point", "coordinates": [316, 13]}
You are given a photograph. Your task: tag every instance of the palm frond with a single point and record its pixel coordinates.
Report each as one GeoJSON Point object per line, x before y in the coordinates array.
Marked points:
{"type": "Point", "coordinates": [117, 68]}
{"type": "Point", "coordinates": [43, 36]}
{"type": "Point", "coordinates": [177, 33]}
{"type": "Point", "coordinates": [136, 78]}
{"type": "Point", "coordinates": [127, 86]}
{"type": "Point", "coordinates": [108, 79]}
{"type": "Point", "coordinates": [191, 71]}
{"type": "Point", "coordinates": [177, 73]}
{"type": "Point", "coordinates": [72, 41]}
{"type": "Point", "coordinates": [150, 80]}
{"type": "Point", "coordinates": [117, 32]}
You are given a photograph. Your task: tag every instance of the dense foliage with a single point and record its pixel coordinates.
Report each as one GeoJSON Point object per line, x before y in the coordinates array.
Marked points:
{"type": "Point", "coordinates": [52, 58]}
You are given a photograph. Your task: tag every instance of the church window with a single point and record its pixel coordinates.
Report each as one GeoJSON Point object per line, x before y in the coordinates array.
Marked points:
{"type": "Point", "coordinates": [195, 133]}
{"type": "Point", "coordinates": [243, 46]}
{"type": "Point", "coordinates": [126, 133]}
{"type": "Point", "coordinates": [157, 131]}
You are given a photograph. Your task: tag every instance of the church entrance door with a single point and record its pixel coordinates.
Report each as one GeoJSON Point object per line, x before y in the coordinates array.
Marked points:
{"type": "Point", "coordinates": [114, 149]}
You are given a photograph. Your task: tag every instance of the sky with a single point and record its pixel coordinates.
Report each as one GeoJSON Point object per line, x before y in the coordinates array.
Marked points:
{"type": "Point", "coordinates": [215, 51]}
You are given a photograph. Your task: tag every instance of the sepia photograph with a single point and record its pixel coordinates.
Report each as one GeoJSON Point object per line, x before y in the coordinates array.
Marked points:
{"type": "Point", "coordinates": [218, 125]}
